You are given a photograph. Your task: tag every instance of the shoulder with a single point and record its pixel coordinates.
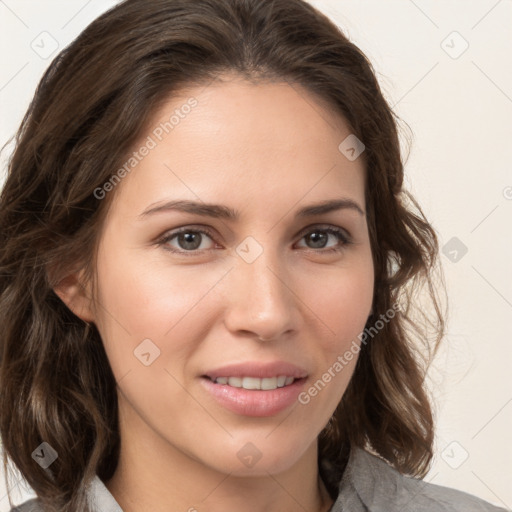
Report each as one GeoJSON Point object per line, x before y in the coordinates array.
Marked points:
{"type": "Point", "coordinates": [370, 482]}
{"type": "Point", "coordinates": [32, 505]}
{"type": "Point", "coordinates": [98, 496]}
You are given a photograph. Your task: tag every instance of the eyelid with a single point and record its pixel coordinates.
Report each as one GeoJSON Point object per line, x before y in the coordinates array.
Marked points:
{"type": "Point", "coordinates": [322, 227]}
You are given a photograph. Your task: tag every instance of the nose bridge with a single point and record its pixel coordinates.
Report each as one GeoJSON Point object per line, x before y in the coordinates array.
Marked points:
{"type": "Point", "coordinates": [261, 300]}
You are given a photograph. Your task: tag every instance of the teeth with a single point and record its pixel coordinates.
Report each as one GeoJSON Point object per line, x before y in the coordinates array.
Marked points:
{"type": "Point", "coordinates": [236, 382]}
{"type": "Point", "coordinates": [267, 383]}
{"type": "Point", "coordinates": [251, 383]}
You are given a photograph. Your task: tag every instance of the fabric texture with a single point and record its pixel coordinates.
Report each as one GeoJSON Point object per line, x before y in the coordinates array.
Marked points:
{"type": "Point", "coordinates": [368, 484]}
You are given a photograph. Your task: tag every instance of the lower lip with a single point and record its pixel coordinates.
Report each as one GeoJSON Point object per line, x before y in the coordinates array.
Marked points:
{"type": "Point", "coordinates": [254, 402]}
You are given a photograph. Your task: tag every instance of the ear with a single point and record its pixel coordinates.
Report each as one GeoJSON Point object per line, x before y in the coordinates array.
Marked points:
{"type": "Point", "coordinates": [76, 296]}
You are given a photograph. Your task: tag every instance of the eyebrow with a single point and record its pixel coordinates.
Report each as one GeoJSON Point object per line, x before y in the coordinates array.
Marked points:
{"type": "Point", "coordinates": [225, 212]}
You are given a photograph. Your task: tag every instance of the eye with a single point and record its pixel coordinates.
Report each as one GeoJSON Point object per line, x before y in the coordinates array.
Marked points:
{"type": "Point", "coordinates": [319, 237]}
{"type": "Point", "coordinates": [187, 240]}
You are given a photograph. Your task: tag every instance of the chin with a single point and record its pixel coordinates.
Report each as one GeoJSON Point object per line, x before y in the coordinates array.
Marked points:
{"type": "Point", "coordinates": [260, 455]}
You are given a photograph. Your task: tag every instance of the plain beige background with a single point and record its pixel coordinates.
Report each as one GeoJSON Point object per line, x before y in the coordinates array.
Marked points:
{"type": "Point", "coordinates": [445, 67]}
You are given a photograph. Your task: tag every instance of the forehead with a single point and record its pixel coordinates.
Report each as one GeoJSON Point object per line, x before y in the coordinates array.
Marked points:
{"type": "Point", "coordinates": [280, 114]}
{"type": "Point", "coordinates": [246, 140]}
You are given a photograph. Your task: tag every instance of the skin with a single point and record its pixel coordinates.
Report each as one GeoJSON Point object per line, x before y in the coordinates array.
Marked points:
{"type": "Point", "coordinates": [265, 150]}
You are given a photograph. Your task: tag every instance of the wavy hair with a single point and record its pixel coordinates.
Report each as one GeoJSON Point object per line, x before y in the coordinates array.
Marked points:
{"type": "Point", "coordinates": [88, 110]}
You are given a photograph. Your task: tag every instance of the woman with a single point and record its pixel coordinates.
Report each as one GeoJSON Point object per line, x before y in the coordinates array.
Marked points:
{"type": "Point", "coordinates": [208, 266]}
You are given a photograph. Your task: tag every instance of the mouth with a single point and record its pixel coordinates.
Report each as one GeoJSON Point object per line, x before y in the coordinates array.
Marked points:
{"type": "Point", "coordinates": [255, 388]}
{"type": "Point", "coordinates": [255, 383]}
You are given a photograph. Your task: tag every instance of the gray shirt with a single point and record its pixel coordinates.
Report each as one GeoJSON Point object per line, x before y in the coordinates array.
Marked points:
{"type": "Point", "coordinates": [368, 484]}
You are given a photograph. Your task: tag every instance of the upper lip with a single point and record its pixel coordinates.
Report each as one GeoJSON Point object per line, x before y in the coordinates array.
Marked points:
{"type": "Point", "coordinates": [258, 370]}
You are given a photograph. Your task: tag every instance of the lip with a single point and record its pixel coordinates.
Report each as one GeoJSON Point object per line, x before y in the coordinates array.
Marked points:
{"type": "Point", "coordinates": [252, 402]}
{"type": "Point", "coordinates": [258, 369]}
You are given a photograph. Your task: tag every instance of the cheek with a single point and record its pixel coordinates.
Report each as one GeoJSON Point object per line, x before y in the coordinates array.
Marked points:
{"type": "Point", "coordinates": [340, 300]}
{"type": "Point", "coordinates": [342, 304]}
{"type": "Point", "coordinates": [140, 300]}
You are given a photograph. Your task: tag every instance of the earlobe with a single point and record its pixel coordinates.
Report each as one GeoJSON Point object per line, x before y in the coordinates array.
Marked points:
{"type": "Point", "coordinates": [76, 297]}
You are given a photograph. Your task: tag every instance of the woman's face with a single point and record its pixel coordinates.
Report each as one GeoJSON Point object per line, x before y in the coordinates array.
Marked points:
{"type": "Point", "coordinates": [176, 311]}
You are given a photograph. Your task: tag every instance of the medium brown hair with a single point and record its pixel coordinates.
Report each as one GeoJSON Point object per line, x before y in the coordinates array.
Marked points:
{"type": "Point", "coordinates": [88, 110]}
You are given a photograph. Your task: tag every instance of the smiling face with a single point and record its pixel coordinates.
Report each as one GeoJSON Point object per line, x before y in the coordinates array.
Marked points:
{"type": "Point", "coordinates": [260, 280]}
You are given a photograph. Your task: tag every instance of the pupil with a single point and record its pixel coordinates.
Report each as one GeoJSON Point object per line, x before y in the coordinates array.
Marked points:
{"type": "Point", "coordinates": [188, 240]}
{"type": "Point", "coordinates": [322, 237]}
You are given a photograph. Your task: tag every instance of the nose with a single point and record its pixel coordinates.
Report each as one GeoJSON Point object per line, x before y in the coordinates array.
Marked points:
{"type": "Point", "coordinates": [260, 299]}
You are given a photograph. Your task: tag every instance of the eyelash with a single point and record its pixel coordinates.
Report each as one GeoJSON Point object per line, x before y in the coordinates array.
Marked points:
{"type": "Point", "coordinates": [339, 233]}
